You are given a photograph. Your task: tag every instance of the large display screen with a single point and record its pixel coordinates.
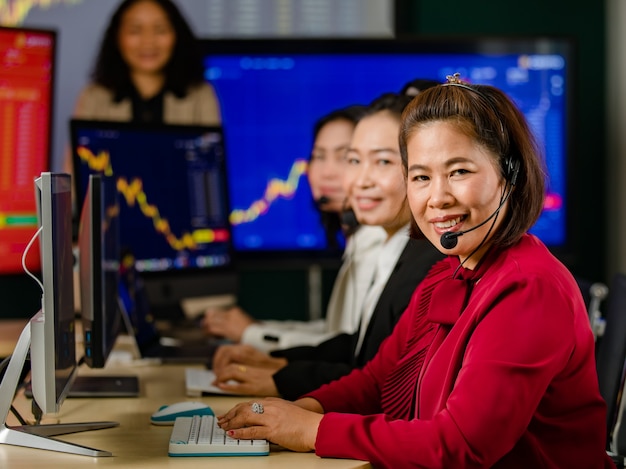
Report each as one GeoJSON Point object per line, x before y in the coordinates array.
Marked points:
{"type": "Point", "coordinates": [26, 81]}
{"type": "Point", "coordinates": [271, 92]}
{"type": "Point", "coordinates": [172, 190]}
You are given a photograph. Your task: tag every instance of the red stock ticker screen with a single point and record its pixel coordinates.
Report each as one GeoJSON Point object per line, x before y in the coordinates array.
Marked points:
{"type": "Point", "coordinates": [26, 80]}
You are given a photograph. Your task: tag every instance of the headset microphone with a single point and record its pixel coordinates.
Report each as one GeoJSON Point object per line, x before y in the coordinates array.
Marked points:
{"type": "Point", "coordinates": [349, 221]}
{"type": "Point", "coordinates": [323, 200]}
{"type": "Point", "coordinates": [449, 239]}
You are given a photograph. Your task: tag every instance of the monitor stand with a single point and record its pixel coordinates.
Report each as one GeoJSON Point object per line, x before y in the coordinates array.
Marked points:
{"type": "Point", "coordinates": [110, 386]}
{"type": "Point", "coordinates": [37, 436]}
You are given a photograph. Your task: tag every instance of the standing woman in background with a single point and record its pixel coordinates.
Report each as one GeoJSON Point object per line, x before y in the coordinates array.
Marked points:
{"type": "Point", "coordinates": [149, 69]}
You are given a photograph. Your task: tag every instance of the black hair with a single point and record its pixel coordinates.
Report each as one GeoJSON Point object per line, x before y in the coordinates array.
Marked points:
{"type": "Point", "coordinates": [333, 222]}
{"type": "Point", "coordinates": [183, 70]}
{"type": "Point", "coordinates": [416, 86]}
{"type": "Point", "coordinates": [351, 113]}
{"type": "Point", "coordinates": [393, 102]}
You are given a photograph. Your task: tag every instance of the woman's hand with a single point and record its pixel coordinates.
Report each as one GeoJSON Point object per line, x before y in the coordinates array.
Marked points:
{"type": "Point", "coordinates": [244, 355]}
{"type": "Point", "coordinates": [229, 323]}
{"type": "Point", "coordinates": [246, 380]}
{"type": "Point", "coordinates": [280, 422]}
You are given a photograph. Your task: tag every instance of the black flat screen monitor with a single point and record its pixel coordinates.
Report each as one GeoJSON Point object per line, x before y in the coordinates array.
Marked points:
{"type": "Point", "coordinates": [173, 202]}
{"type": "Point", "coordinates": [99, 267]}
{"type": "Point", "coordinates": [27, 66]}
{"type": "Point", "coordinates": [272, 91]}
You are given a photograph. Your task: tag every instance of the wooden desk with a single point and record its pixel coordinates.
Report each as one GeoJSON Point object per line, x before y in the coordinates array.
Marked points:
{"type": "Point", "coordinates": [9, 332]}
{"type": "Point", "coordinates": [136, 443]}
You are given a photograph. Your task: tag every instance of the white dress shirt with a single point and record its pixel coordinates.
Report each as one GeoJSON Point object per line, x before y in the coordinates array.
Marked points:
{"type": "Point", "coordinates": [344, 306]}
{"type": "Point", "coordinates": [387, 259]}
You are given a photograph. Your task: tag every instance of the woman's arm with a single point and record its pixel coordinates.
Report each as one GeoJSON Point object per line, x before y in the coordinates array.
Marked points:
{"type": "Point", "coordinates": [299, 377]}
{"type": "Point", "coordinates": [311, 404]}
{"type": "Point", "coordinates": [510, 360]}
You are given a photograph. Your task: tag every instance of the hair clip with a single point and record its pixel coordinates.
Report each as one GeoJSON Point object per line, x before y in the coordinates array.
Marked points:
{"type": "Point", "coordinates": [455, 79]}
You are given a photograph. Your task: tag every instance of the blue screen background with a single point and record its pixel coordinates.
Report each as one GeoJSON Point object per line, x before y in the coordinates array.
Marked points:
{"type": "Point", "coordinates": [270, 103]}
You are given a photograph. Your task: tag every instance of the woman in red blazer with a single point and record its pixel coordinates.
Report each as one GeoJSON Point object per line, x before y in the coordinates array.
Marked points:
{"type": "Point", "coordinates": [492, 364]}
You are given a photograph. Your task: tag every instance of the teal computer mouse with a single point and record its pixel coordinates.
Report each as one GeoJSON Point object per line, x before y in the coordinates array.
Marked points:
{"type": "Point", "coordinates": [167, 414]}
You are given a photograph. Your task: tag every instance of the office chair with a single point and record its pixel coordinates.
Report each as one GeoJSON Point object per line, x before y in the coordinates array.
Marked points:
{"type": "Point", "coordinates": [611, 350]}
{"type": "Point", "coordinates": [594, 293]}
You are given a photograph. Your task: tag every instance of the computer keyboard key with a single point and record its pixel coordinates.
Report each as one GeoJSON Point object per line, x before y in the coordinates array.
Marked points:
{"type": "Point", "coordinates": [201, 436]}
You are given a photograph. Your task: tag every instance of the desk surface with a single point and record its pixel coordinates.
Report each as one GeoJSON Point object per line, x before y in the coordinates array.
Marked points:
{"type": "Point", "coordinates": [137, 443]}
{"type": "Point", "coordinates": [9, 332]}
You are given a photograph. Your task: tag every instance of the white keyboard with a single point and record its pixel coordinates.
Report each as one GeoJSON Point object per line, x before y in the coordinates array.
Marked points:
{"type": "Point", "coordinates": [201, 436]}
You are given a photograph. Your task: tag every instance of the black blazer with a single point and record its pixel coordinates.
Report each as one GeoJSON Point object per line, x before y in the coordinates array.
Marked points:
{"type": "Point", "coordinates": [309, 367]}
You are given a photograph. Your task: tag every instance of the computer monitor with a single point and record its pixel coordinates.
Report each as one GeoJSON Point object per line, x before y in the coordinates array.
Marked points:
{"type": "Point", "coordinates": [272, 91]}
{"type": "Point", "coordinates": [173, 193]}
{"type": "Point", "coordinates": [50, 333]}
{"type": "Point", "coordinates": [99, 267]}
{"type": "Point", "coordinates": [53, 345]}
{"type": "Point", "coordinates": [27, 67]}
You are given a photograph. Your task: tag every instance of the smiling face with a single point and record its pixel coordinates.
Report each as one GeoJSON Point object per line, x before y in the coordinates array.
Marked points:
{"type": "Point", "coordinates": [328, 164]}
{"type": "Point", "coordinates": [374, 179]}
{"type": "Point", "coordinates": [146, 38]}
{"type": "Point", "coordinates": [453, 185]}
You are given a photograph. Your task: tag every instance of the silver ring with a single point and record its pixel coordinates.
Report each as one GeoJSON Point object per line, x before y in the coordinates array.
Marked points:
{"type": "Point", "coordinates": [257, 408]}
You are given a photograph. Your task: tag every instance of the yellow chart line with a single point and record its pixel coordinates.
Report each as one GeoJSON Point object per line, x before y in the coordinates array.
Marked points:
{"type": "Point", "coordinates": [134, 194]}
{"type": "Point", "coordinates": [14, 13]}
{"type": "Point", "coordinates": [276, 188]}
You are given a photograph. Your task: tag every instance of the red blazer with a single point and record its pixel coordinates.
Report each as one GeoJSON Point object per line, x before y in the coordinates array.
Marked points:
{"type": "Point", "coordinates": [493, 369]}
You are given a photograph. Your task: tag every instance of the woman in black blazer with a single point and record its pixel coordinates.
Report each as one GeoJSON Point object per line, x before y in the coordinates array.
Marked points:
{"type": "Point", "coordinates": [376, 186]}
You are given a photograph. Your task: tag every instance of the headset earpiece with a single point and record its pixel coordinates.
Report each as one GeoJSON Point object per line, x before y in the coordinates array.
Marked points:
{"type": "Point", "coordinates": [511, 169]}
